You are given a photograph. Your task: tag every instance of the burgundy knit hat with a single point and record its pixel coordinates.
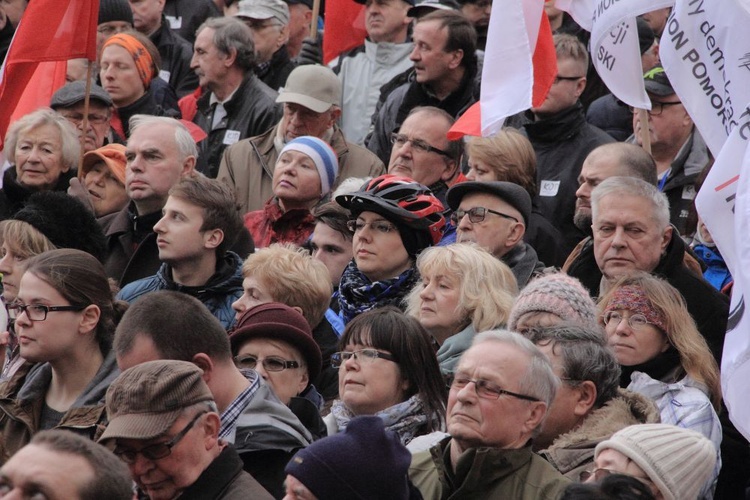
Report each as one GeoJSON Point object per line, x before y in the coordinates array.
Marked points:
{"type": "Point", "coordinates": [277, 321]}
{"type": "Point", "coordinates": [633, 298]}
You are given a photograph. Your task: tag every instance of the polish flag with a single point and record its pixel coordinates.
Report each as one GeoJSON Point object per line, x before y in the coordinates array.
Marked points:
{"type": "Point", "coordinates": [520, 66]}
{"type": "Point", "coordinates": [50, 30]}
{"type": "Point", "coordinates": [344, 27]}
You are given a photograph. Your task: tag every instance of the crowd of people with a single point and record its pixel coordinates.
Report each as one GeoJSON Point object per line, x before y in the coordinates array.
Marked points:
{"type": "Point", "coordinates": [232, 271]}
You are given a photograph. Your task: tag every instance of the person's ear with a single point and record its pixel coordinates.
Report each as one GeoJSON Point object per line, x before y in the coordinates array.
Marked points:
{"type": "Point", "coordinates": [586, 398]}
{"type": "Point", "coordinates": [304, 382]}
{"type": "Point", "coordinates": [89, 319]}
{"type": "Point", "coordinates": [212, 238]}
{"type": "Point", "coordinates": [204, 362]}
{"type": "Point", "coordinates": [537, 413]}
{"type": "Point", "coordinates": [516, 235]}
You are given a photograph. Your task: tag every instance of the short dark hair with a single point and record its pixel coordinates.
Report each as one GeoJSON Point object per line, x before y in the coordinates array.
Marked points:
{"type": "Point", "coordinates": [111, 476]}
{"type": "Point", "coordinates": [455, 148]}
{"type": "Point", "coordinates": [334, 216]}
{"type": "Point", "coordinates": [585, 356]}
{"type": "Point", "coordinates": [389, 329]}
{"type": "Point", "coordinates": [179, 325]}
{"type": "Point", "coordinates": [633, 158]}
{"type": "Point", "coordinates": [461, 34]}
{"type": "Point", "coordinates": [218, 203]}
{"type": "Point", "coordinates": [231, 33]}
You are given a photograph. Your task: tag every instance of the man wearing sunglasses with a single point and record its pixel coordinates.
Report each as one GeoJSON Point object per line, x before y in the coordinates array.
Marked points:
{"type": "Point", "coordinates": [165, 427]}
{"type": "Point", "coordinates": [498, 399]}
{"type": "Point", "coordinates": [494, 215]}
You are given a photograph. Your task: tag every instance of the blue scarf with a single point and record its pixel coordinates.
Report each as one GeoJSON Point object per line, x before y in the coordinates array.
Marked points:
{"type": "Point", "coordinates": [358, 294]}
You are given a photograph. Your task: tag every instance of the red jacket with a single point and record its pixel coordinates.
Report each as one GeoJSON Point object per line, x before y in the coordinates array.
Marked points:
{"type": "Point", "coordinates": [272, 225]}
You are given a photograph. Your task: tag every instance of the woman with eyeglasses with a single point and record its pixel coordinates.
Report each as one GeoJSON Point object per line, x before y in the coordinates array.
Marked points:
{"type": "Point", "coordinates": [673, 463]}
{"type": "Point", "coordinates": [394, 219]}
{"type": "Point", "coordinates": [664, 357]}
{"type": "Point", "coordinates": [387, 367]}
{"type": "Point", "coordinates": [463, 290]}
{"type": "Point", "coordinates": [65, 318]}
{"type": "Point", "coordinates": [276, 341]}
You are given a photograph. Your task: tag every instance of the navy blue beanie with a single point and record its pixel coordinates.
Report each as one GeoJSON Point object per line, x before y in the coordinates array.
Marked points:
{"type": "Point", "coordinates": [364, 462]}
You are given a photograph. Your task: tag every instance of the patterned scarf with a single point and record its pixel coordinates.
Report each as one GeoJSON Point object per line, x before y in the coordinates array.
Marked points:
{"type": "Point", "coordinates": [358, 294]}
{"type": "Point", "coordinates": [405, 419]}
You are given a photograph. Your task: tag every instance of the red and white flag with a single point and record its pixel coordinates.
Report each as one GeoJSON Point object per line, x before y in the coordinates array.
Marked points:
{"type": "Point", "coordinates": [519, 67]}
{"type": "Point", "coordinates": [50, 30]}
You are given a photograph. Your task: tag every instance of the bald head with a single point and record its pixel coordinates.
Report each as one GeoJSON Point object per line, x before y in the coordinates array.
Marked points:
{"type": "Point", "coordinates": [610, 160]}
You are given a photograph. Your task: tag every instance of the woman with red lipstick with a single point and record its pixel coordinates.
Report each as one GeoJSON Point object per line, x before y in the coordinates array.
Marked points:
{"type": "Point", "coordinates": [65, 316]}
{"type": "Point", "coordinates": [387, 367]}
{"type": "Point", "coordinates": [663, 356]}
{"type": "Point", "coordinates": [394, 219]}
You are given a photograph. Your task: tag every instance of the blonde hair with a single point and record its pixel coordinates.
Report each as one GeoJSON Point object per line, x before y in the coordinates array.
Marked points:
{"type": "Point", "coordinates": [23, 239]}
{"type": "Point", "coordinates": [510, 155]}
{"type": "Point", "coordinates": [696, 359]}
{"type": "Point", "coordinates": [291, 276]}
{"type": "Point", "coordinates": [487, 287]}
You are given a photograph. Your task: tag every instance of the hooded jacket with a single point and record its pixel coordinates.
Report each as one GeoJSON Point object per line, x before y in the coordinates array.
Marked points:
{"type": "Point", "coordinates": [22, 399]}
{"type": "Point", "coordinates": [267, 435]}
{"type": "Point", "coordinates": [218, 294]}
{"type": "Point", "coordinates": [573, 452]}
{"type": "Point", "coordinates": [485, 473]}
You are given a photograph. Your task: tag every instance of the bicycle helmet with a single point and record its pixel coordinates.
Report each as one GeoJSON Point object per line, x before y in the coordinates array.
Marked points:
{"type": "Point", "coordinates": [402, 201]}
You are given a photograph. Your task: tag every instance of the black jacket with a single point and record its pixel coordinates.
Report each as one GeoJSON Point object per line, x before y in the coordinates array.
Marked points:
{"type": "Point", "coordinates": [147, 104]}
{"type": "Point", "coordinates": [176, 53]}
{"type": "Point", "coordinates": [708, 307]}
{"type": "Point", "coordinates": [189, 15]}
{"type": "Point", "coordinates": [14, 196]}
{"type": "Point", "coordinates": [561, 143]}
{"type": "Point", "coordinates": [276, 73]}
{"type": "Point", "coordinates": [251, 111]}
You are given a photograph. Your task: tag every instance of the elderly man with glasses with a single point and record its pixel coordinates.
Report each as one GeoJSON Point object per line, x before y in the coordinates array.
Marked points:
{"type": "Point", "coordinates": [494, 215]}
{"type": "Point", "coordinates": [165, 427]}
{"type": "Point", "coordinates": [498, 399]}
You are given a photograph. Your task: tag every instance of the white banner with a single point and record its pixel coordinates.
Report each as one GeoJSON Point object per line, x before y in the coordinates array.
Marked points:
{"type": "Point", "coordinates": [508, 73]}
{"type": "Point", "coordinates": [724, 206]}
{"type": "Point", "coordinates": [705, 50]}
{"type": "Point", "coordinates": [615, 49]}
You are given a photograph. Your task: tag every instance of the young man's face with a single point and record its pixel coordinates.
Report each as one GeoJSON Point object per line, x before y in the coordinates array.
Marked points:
{"type": "Point", "coordinates": [179, 233]}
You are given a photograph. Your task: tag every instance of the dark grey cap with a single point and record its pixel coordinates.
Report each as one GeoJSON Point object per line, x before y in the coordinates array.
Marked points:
{"type": "Point", "coordinates": [657, 82]}
{"type": "Point", "coordinates": [510, 193]}
{"type": "Point", "coordinates": [74, 92]}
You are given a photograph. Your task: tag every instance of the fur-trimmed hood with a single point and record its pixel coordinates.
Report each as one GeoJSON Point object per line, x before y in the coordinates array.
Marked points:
{"type": "Point", "coordinates": [573, 452]}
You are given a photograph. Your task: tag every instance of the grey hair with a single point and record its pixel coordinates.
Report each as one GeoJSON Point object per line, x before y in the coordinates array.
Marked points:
{"type": "Point", "coordinates": [585, 356]}
{"type": "Point", "coordinates": [185, 142]}
{"type": "Point", "coordinates": [231, 33]}
{"type": "Point", "coordinates": [539, 380]}
{"type": "Point", "coordinates": [630, 186]}
{"type": "Point", "coordinates": [71, 147]}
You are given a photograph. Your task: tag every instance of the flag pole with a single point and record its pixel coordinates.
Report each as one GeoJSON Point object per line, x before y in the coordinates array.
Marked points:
{"type": "Point", "coordinates": [314, 20]}
{"type": "Point", "coordinates": [645, 136]}
{"type": "Point", "coordinates": [85, 124]}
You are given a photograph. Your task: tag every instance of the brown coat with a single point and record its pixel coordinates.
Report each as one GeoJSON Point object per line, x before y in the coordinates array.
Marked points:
{"type": "Point", "coordinates": [247, 166]}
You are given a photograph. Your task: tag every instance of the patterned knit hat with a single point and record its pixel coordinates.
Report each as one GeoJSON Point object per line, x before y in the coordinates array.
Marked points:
{"type": "Point", "coordinates": [634, 299]}
{"type": "Point", "coordinates": [679, 461]}
{"type": "Point", "coordinates": [321, 153]}
{"type": "Point", "coordinates": [558, 294]}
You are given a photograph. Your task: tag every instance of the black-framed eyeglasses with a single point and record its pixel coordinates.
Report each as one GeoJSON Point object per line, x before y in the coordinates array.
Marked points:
{"type": "Point", "coordinates": [559, 78]}
{"type": "Point", "coordinates": [361, 355]}
{"type": "Point", "coordinates": [635, 321]}
{"type": "Point", "coordinates": [418, 144]}
{"type": "Point", "coordinates": [486, 389]}
{"type": "Point", "coordinates": [271, 363]}
{"type": "Point", "coordinates": [94, 118]}
{"type": "Point", "coordinates": [379, 226]}
{"type": "Point", "coordinates": [657, 108]}
{"type": "Point", "coordinates": [477, 215]}
{"type": "Point", "coordinates": [158, 450]}
{"type": "Point", "coordinates": [38, 312]}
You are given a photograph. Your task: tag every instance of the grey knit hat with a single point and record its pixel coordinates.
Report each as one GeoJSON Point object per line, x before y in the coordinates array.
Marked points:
{"type": "Point", "coordinates": [558, 294]}
{"type": "Point", "coordinates": [679, 461]}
